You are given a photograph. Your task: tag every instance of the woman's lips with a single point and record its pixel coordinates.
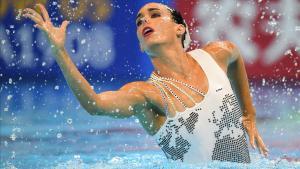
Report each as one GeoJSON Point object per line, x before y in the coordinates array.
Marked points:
{"type": "Point", "coordinates": [147, 31]}
{"type": "Point", "coordinates": [148, 34]}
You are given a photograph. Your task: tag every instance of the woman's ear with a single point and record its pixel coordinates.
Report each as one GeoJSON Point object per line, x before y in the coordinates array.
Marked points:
{"type": "Point", "coordinates": [180, 30]}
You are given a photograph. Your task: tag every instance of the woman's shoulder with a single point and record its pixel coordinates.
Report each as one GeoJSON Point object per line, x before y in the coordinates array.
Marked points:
{"type": "Point", "coordinates": [225, 45]}
{"type": "Point", "coordinates": [137, 86]}
{"type": "Point", "coordinates": [221, 51]}
{"type": "Point", "coordinates": [148, 91]}
{"type": "Point", "coordinates": [143, 87]}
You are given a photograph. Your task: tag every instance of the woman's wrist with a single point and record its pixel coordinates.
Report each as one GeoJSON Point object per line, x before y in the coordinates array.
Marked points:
{"type": "Point", "coordinates": [249, 112]}
{"type": "Point", "coordinates": [58, 50]}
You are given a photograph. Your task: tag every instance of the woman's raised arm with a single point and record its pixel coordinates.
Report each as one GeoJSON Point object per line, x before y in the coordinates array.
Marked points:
{"type": "Point", "coordinates": [113, 103]}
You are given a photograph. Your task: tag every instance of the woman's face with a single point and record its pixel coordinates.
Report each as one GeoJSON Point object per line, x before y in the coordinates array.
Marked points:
{"type": "Point", "coordinates": [155, 26]}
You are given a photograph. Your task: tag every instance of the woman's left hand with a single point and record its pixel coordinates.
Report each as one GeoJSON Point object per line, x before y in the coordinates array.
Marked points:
{"type": "Point", "coordinates": [254, 136]}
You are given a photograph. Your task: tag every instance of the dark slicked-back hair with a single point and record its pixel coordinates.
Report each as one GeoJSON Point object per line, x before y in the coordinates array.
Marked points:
{"type": "Point", "coordinates": [177, 18]}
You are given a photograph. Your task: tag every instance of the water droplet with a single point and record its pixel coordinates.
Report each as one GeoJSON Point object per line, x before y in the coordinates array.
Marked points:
{"type": "Point", "coordinates": [263, 82]}
{"type": "Point", "coordinates": [83, 41]}
{"type": "Point", "coordinates": [69, 121]}
{"type": "Point", "coordinates": [58, 135]}
{"type": "Point", "coordinates": [76, 156]}
{"type": "Point", "coordinates": [9, 97]}
{"type": "Point", "coordinates": [56, 87]}
{"type": "Point", "coordinates": [13, 136]}
{"type": "Point", "coordinates": [288, 52]}
{"type": "Point", "coordinates": [130, 108]}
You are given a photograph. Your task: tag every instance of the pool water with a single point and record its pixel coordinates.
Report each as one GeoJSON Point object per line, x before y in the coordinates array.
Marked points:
{"type": "Point", "coordinates": [45, 127]}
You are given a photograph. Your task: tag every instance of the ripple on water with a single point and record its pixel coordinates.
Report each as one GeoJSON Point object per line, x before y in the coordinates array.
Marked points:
{"type": "Point", "coordinates": [154, 160]}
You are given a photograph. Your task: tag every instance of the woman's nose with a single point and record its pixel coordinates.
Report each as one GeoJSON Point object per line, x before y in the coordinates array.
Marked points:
{"type": "Point", "coordinates": [144, 20]}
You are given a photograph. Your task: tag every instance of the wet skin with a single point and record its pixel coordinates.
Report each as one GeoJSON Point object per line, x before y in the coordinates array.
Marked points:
{"type": "Point", "coordinates": [169, 59]}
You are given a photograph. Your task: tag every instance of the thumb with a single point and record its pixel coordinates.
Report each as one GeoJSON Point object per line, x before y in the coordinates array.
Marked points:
{"type": "Point", "coordinates": [64, 25]}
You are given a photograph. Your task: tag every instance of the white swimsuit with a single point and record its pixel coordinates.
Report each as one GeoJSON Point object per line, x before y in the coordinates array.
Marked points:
{"type": "Point", "coordinates": [210, 130]}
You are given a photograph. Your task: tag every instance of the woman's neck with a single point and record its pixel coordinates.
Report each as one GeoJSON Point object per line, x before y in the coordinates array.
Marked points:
{"type": "Point", "coordinates": [172, 63]}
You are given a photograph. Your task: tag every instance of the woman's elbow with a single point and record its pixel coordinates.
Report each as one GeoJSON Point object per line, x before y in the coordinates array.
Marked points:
{"type": "Point", "coordinates": [92, 108]}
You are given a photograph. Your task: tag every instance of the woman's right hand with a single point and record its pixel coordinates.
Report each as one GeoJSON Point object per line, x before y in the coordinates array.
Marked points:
{"type": "Point", "coordinates": [56, 35]}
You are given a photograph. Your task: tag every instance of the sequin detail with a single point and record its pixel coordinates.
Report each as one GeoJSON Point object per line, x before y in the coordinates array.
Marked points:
{"type": "Point", "coordinates": [172, 143]}
{"type": "Point", "coordinates": [230, 145]}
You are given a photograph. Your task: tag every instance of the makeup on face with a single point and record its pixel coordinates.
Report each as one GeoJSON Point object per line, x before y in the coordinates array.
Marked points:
{"type": "Point", "coordinates": [153, 13]}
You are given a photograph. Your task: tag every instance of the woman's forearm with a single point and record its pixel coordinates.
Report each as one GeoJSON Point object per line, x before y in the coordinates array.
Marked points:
{"type": "Point", "coordinates": [57, 35]}
{"type": "Point", "coordinates": [78, 84]}
{"type": "Point", "coordinates": [239, 80]}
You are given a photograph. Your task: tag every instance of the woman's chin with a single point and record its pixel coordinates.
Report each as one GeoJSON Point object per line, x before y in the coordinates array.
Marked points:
{"type": "Point", "coordinates": [153, 44]}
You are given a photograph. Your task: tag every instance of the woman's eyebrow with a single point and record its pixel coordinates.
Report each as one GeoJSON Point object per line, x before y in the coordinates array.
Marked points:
{"type": "Point", "coordinates": [149, 10]}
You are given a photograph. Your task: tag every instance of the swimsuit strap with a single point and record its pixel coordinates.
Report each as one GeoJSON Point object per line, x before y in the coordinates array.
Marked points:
{"type": "Point", "coordinates": [185, 84]}
{"type": "Point", "coordinates": [169, 80]}
{"type": "Point", "coordinates": [163, 80]}
{"type": "Point", "coordinates": [163, 93]}
{"type": "Point", "coordinates": [184, 92]}
{"type": "Point", "coordinates": [172, 92]}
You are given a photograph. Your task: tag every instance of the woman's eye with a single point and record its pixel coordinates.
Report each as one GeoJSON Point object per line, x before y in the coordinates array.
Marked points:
{"type": "Point", "coordinates": [155, 15]}
{"type": "Point", "coordinates": [138, 23]}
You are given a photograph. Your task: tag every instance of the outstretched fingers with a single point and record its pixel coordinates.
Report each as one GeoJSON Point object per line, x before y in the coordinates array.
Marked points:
{"type": "Point", "coordinates": [33, 15]}
{"type": "Point", "coordinates": [262, 147]}
{"type": "Point", "coordinates": [40, 27]}
{"type": "Point", "coordinates": [252, 138]}
{"type": "Point", "coordinates": [33, 12]}
{"type": "Point", "coordinates": [44, 12]}
{"type": "Point", "coordinates": [250, 132]}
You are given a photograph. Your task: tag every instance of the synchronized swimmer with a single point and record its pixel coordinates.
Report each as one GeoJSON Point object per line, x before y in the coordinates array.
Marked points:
{"type": "Point", "coordinates": [196, 104]}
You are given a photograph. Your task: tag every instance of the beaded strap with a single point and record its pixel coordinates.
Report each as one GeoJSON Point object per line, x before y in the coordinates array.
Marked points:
{"type": "Point", "coordinates": [157, 80]}
{"type": "Point", "coordinates": [172, 92]}
{"type": "Point", "coordinates": [189, 96]}
{"type": "Point", "coordinates": [169, 98]}
{"type": "Point", "coordinates": [185, 84]}
{"type": "Point", "coordinates": [163, 93]}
